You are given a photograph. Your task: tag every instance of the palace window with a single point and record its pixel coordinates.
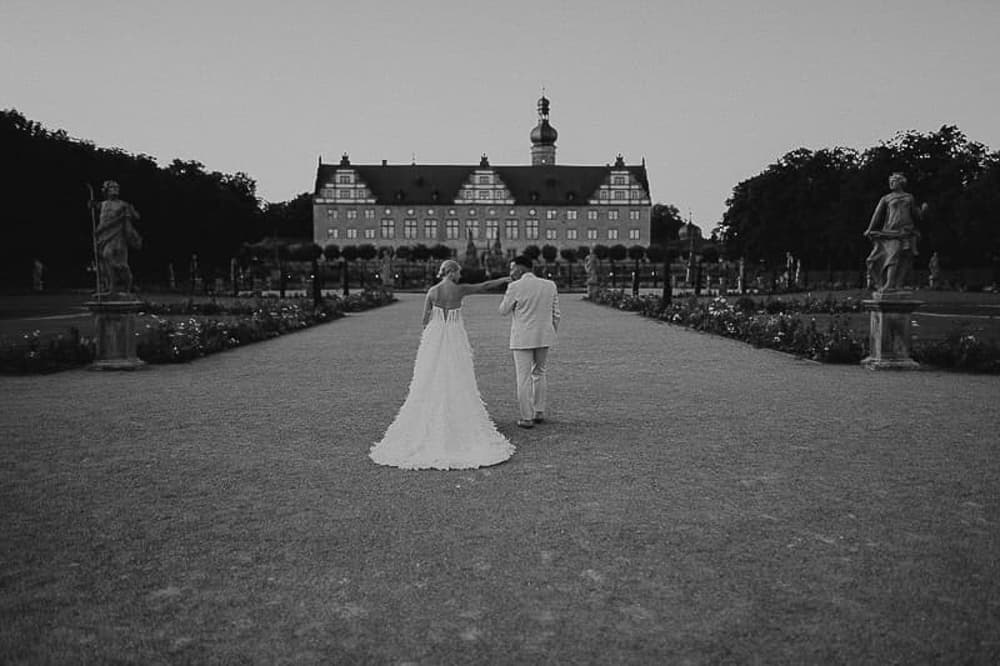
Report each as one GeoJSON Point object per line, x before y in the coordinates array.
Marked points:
{"type": "Point", "coordinates": [591, 214]}
{"type": "Point", "coordinates": [352, 215]}
{"type": "Point", "coordinates": [591, 234]}
{"type": "Point", "coordinates": [551, 234]}
{"type": "Point", "coordinates": [430, 229]}
{"type": "Point", "coordinates": [388, 211]}
{"type": "Point", "coordinates": [430, 211]}
{"type": "Point", "coordinates": [604, 194]}
{"type": "Point", "coordinates": [571, 215]}
{"type": "Point", "coordinates": [344, 194]}
{"type": "Point", "coordinates": [619, 194]}
{"type": "Point", "coordinates": [633, 234]}
{"type": "Point", "coordinates": [332, 233]}
{"type": "Point", "coordinates": [369, 213]}
{"type": "Point", "coordinates": [612, 215]}
{"type": "Point", "coordinates": [451, 229]}
{"type": "Point", "coordinates": [328, 193]}
{"type": "Point", "coordinates": [484, 180]}
{"type": "Point", "coordinates": [636, 194]}
{"type": "Point", "coordinates": [388, 229]}
{"type": "Point", "coordinates": [484, 194]}
{"type": "Point", "coordinates": [451, 211]}
{"type": "Point", "coordinates": [551, 214]}
{"type": "Point", "coordinates": [612, 234]}
{"type": "Point", "coordinates": [510, 229]}
{"type": "Point", "coordinates": [531, 229]}
{"type": "Point", "coordinates": [331, 213]}
{"type": "Point", "coordinates": [369, 233]}
{"type": "Point", "coordinates": [352, 233]}
{"type": "Point", "coordinates": [409, 228]}
{"type": "Point", "coordinates": [633, 215]}
{"type": "Point", "coordinates": [472, 212]}
{"type": "Point", "coordinates": [618, 180]}
{"type": "Point", "coordinates": [409, 211]}
{"type": "Point", "coordinates": [344, 179]}
{"type": "Point", "coordinates": [492, 229]}
{"type": "Point", "coordinates": [571, 234]}
{"type": "Point", "coordinates": [473, 227]}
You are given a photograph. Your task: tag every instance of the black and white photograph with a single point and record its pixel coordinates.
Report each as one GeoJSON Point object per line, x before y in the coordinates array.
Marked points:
{"type": "Point", "coordinates": [461, 332]}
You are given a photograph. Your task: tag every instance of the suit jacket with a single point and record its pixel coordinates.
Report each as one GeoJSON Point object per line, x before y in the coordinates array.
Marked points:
{"type": "Point", "coordinates": [534, 306]}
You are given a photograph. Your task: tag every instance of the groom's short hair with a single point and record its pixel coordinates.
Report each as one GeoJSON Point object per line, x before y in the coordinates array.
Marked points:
{"type": "Point", "coordinates": [522, 260]}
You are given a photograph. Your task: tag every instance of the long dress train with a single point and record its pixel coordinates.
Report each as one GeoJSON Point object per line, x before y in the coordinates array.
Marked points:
{"type": "Point", "coordinates": [443, 423]}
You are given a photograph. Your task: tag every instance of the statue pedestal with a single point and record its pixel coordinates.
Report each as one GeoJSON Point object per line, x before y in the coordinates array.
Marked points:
{"type": "Point", "coordinates": [889, 334]}
{"type": "Point", "coordinates": [115, 326]}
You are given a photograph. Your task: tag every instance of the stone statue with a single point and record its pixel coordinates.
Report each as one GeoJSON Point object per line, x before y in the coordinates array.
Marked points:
{"type": "Point", "coordinates": [37, 273]}
{"type": "Point", "coordinates": [113, 236]}
{"type": "Point", "coordinates": [894, 236]}
{"type": "Point", "coordinates": [934, 267]}
{"type": "Point", "coordinates": [385, 271]}
{"type": "Point", "coordinates": [590, 265]}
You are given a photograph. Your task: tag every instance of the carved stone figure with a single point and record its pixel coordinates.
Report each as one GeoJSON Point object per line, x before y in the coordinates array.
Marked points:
{"type": "Point", "coordinates": [934, 267]}
{"type": "Point", "coordinates": [894, 236]}
{"type": "Point", "coordinates": [114, 235]}
{"type": "Point", "coordinates": [590, 265]}
{"type": "Point", "coordinates": [385, 270]}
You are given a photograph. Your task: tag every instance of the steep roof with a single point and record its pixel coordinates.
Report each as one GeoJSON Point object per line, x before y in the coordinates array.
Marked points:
{"type": "Point", "coordinates": [554, 184]}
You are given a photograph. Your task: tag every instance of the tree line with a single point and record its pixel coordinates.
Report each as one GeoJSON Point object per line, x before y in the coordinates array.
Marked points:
{"type": "Point", "coordinates": [815, 204]}
{"type": "Point", "coordinates": [185, 210]}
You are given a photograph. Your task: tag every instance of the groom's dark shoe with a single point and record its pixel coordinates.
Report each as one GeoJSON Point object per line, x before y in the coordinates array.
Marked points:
{"type": "Point", "coordinates": [539, 417]}
{"type": "Point", "coordinates": [523, 423]}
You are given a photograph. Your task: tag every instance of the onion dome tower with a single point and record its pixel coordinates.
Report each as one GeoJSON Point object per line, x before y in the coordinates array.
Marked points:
{"type": "Point", "coordinates": [543, 137]}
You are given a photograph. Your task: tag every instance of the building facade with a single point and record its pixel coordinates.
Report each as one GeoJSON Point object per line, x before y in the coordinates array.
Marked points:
{"type": "Point", "coordinates": [543, 203]}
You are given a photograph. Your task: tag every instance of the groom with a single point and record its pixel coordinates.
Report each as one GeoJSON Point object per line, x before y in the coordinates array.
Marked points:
{"type": "Point", "coordinates": [534, 308]}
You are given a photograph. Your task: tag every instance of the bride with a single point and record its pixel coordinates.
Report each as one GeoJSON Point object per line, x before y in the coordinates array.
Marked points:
{"type": "Point", "coordinates": [443, 423]}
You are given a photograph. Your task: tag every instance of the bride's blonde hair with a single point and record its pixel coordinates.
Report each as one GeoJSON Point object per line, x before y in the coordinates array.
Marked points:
{"type": "Point", "coordinates": [448, 266]}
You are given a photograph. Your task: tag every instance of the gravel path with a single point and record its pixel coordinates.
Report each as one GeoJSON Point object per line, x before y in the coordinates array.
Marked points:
{"type": "Point", "coordinates": [691, 499]}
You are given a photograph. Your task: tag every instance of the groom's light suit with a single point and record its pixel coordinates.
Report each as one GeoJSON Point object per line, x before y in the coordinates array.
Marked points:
{"type": "Point", "coordinates": [533, 305]}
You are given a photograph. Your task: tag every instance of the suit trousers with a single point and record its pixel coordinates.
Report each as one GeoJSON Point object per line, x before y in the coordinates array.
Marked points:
{"type": "Point", "coordinates": [532, 386]}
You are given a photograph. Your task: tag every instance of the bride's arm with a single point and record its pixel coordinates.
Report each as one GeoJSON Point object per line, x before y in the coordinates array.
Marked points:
{"type": "Point", "coordinates": [481, 286]}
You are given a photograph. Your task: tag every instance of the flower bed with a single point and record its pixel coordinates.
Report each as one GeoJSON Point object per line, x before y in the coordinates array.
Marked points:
{"type": "Point", "coordinates": [179, 332]}
{"type": "Point", "coordinates": [781, 325]}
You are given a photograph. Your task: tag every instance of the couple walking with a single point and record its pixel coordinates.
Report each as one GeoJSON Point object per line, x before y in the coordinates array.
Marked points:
{"type": "Point", "coordinates": [443, 423]}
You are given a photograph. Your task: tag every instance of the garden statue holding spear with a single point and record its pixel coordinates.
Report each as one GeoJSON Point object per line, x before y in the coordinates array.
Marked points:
{"type": "Point", "coordinates": [114, 234]}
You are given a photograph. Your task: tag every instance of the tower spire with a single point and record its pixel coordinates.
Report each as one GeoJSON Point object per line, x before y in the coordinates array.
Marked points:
{"type": "Point", "coordinates": [543, 136]}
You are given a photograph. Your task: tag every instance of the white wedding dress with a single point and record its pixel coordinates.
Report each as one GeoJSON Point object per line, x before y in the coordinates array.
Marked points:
{"type": "Point", "coordinates": [443, 423]}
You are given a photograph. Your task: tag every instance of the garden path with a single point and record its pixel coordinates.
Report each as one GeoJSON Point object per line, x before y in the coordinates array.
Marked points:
{"type": "Point", "coordinates": [691, 498]}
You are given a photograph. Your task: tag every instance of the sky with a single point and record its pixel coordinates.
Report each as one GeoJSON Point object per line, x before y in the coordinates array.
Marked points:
{"type": "Point", "coordinates": [708, 92]}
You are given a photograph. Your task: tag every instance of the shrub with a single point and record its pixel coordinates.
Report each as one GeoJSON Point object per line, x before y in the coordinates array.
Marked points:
{"type": "Point", "coordinates": [163, 340]}
{"type": "Point", "coordinates": [779, 324]}
{"type": "Point", "coordinates": [961, 350]}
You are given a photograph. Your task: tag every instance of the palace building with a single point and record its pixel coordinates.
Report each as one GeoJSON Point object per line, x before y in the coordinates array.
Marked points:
{"type": "Point", "coordinates": [543, 203]}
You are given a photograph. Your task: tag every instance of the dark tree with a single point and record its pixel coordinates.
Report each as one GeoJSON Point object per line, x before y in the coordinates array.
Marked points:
{"type": "Point", "coordinates": [664, 223]}
{"type": "Point", "coordinates": [420, 252]}
{"type": "Point", "coordinates": [440, 252]}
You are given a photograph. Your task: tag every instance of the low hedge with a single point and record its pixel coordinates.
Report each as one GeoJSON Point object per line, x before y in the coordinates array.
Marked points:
{"type": "Point", "coordinates": [209, 327]}
{"type": "Point", "coordinates": [781, 325]}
